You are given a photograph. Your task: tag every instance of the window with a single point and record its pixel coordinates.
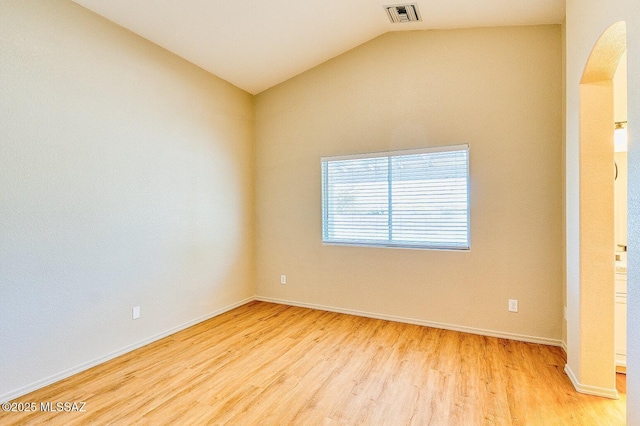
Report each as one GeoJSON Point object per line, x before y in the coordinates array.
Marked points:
{"type": "Point", "coordinates": [416, 198]}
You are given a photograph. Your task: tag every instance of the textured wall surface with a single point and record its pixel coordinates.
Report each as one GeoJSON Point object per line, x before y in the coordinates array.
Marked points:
{"type": "Point", "coordinates": [500, 91]}
{"type": "Point", "coordinates": [125, 179]}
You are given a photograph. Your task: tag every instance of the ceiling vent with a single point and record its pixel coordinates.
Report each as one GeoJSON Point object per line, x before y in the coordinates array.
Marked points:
{"type": "Point", "coordinates": [401, 13]}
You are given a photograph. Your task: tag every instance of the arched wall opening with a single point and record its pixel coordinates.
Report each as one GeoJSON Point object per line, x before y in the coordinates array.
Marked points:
{"type": "Point", "coordinates": [592, 371]}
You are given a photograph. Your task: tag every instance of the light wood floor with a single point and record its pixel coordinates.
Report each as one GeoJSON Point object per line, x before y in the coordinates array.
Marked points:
{"type": "Point", "coordinates": [267, 364]}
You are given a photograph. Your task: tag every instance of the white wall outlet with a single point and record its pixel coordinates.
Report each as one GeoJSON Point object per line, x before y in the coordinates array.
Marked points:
{"type": "Point", "coordinates": [283, 279]}
{"type": "Point", "coordinates": [135, 314]}
{"type": "Point", "coordinates": [513, 305]}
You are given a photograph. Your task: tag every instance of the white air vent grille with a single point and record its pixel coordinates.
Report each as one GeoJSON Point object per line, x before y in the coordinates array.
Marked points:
{"type": "Point", "coordinates": [400, 13]}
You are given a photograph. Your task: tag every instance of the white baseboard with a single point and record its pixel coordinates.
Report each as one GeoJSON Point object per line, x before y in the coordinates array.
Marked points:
{"type": "Point", "coordinates": [490, 333]}
{"type": "Point", "coordinates": [89, 364]}
{"type": "Point", "coordinates": [590, 390]}
{"type": "Point", "coordinates": [463, 329]}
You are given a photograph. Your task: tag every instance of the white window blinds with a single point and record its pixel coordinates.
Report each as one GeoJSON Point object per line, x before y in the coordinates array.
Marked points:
{"type": "Point", "coordinates": [417, 198]}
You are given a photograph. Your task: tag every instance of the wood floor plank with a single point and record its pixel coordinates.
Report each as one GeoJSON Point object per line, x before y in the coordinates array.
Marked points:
{"type": "Point", "coordinates": [272, 364]}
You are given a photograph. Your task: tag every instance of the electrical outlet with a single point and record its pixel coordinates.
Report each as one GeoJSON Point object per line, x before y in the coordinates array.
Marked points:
{"type": "Point", "coordinates": [136, 312]}
{"type": "Point", "coordinates": [513, 305]}
{"type": "Point", "coordinates": [283, 279]}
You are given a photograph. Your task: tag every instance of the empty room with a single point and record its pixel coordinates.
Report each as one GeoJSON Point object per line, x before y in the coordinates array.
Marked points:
{"type": "Point", "coordinates": [319, 212]}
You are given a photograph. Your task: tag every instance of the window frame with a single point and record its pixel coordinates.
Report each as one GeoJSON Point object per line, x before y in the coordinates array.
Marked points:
{"type": "Point", "coordinates": [391, 244]}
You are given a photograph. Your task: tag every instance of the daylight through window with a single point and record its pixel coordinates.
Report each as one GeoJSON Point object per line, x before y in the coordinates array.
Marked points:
{"type": "Point", "coordinates": [416, 198]}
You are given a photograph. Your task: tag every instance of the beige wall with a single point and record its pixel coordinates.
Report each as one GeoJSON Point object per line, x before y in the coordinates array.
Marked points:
{"type": "Point", "coordinates": [564, 185]}
{"type": "Point", "coordinates": [620, 90]}
{"type": "Point", "coordinates": [597, 237]}
{"type": "Point", "coordinates": [500, 91]}
{"type": "Point", "coordinates": [126, 178]}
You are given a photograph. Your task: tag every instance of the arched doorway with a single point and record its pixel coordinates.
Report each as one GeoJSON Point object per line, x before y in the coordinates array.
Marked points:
{"type": "Point", "coordinates": [594, 371]}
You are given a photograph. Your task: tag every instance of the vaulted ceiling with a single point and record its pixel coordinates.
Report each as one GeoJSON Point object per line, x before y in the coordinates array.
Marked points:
{"type": "Point", "coordinates": [256, 44]}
